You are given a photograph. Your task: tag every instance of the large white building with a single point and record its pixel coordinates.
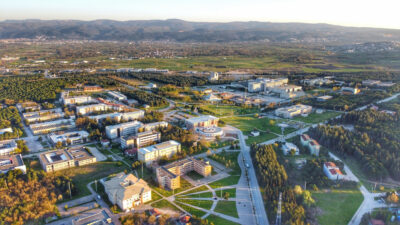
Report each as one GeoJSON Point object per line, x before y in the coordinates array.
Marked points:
{"type": "Point", "coordinates": [214, 76]}
{"type": "Point", "coordinates": [201, 121]}
{"type": "Point", "coordinates": [140, 139]}
{"type": "Point", "coordinates": [44, 115]}
{"type": "Point", "coordinates": [12, 162]}
{"type": "Point", "coordinates": [154, 152]}
{"type": "Point", "coordinates": [123, 129]}
{"type": "Point", "coordinates": [127, 191]}
{"type": "Point", "coordinates": [137, 114]}
{"type": "Point", "coordinates": [87, 109]}
{"type": "Point", "coordinates": [292, 111]}
{"type": "Point", "coordinates": [7, 147]}
{"type": "Point", "coordinates": [6, 130]}
{"type": "Point", "coordinates": [70, 138]}
{"type": "Point", "coordinates": [263, 84]}
{"type": "Point", "coordinates": [73, 100]}
{"type": "Point", "coordinates": [51, 126]}
{"type": "Point", "coordinates": [117, 95]}
{"type": "Point", "coordinates": [288, 147]}
{"type": "Point", "coordinates": [332, 171]}
{"type": "Point", "coordinates": [154, 126]}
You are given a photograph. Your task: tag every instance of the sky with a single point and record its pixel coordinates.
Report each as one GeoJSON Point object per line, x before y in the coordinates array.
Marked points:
{"type": "Point", "coordinates": [361, 13]}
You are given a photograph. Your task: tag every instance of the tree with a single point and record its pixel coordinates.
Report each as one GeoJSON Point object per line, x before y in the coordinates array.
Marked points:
{"type": "Point", "coordinates": [392, 198]}
{"type": "Point", "coordinates": [298, 190]}
{"type": "Point", "coordinates": [59, 145]}
{"type": "Point", "coordinates": [226, 195]}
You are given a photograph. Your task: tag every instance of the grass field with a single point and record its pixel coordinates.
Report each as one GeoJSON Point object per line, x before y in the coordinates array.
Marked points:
{"type": "Point", "coordinates": [317, 118]}
{"type": "Point", "coordinates": [338, 206]}
{"type": "Point", "coordinates": [231, 180]}
{"type": "Point", "coordinates": [205, 204]}
{"type": "Point", "coordinates": [164, 204]}
{"type": "Point", "coordinates": [227, 208]}
{"type": "Point", "coordinates": [246, 124]}
{"type": "Point", "coordinates": [201, 188]}
{"type": "Point", "coordinates": [200, 195]}
{"type": "Point", "coordinates": [232, 192]}
{"type": "Point", "coordinates": [219, 221]}
{"type": "Point", "coordinates": [228, 110]}
{"type": "Point", "coordinates": [83, 175]}
{"type": "Point", "coordinates": [191, 210]}
{"type": "Point", "coordinates": [194, 175]}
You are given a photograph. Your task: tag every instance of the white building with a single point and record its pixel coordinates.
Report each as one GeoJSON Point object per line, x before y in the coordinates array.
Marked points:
{"type": "Point", "coordinates": [5, 130]}
{"type": "Point", "coordinates": [264, 84]}
{"type": "Point", "coordinates": [51, 126]}
{"type": "Point", "coordinates": [140, 139]}
{"type": "Point", "coordinates": [120, 116]}
{"type": "Point", "coordinates": [288, 91]}
{"type": "Point", "coordinates": [350, 90]}
{"type": "Point", "coordinates": [214, 76]}
{"type": "Point", "coordinates": [87, 109]}
{"type": "Point", "coordinates": [288, 147]}
{"type": "Point", "coordinates": [127, 191]}
{"type": "Point", "coordinates": [123, 129]}
{"type": "Point", "coordinates": [43, 115]}
{"type": "Point", "coordinates": [201, 121]}
{"type": "Point", "coordinates": [154, 126]}
{"type": "Point", "coordinates": [117, 95]}
{"type": "Point", "coordinates": [155, 152]}
{"type": "Point", "coordinates": [12, 162]}
{"type": "Point", "coordinates": [7, 147]}
{"type": "Point", "coordinates": [332, 171]}
{"type": "Point", "coordinates": [73, 100]}
{"type": "Point", "coordinates": [292, 111]}
{"type": "Point", "coordinates": [70, 138]}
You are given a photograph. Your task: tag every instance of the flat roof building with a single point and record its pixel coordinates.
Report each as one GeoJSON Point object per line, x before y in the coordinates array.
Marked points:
{"type": "Point", "coordinates": [127, 191]}
{"type": "Point", "coordinates": [73, 100]}
{"type": "Point", "coordinates": [7, 147]}
{"type": "Point", "coordinates": [292, 111]}
{"type": "Point", "coordinates": [12, 162]}
{"type": "Point", "coordinates": [154, 152]}
{"type": "Point", "coordinates": [201, 121]}
{"type": "Point", "coordinates": [51, 126]}
{"type": "Point", "coordinates": [154, 126]}
{"type": "Point", "coordinates": [65, 158]}
{"type": "Point", "coordinates": [117, 95]}
{"type": "Point", "coordinates": [350, 90]}
{"type": "Point", "coordinates": [87, 109]}
{"type": "Point", "coordinates": [44, 115]}
{"type": "Point", "coordinates": [134, 115]}
{"type": "Point", "coordinates": [141, 139]}
{"type": "Point", "coordinates": [168, 176]}
{"type": "Point", "coordinates": [70, 138]}
{"type": "Point", "coordinates": [123, 129]}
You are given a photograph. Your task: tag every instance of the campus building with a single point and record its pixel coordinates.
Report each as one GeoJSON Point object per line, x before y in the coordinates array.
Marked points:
{"type": "Point", "coordinates": [73, 100]}
{"type": "Point", "coordinates": [311, 144]}
{"type": "Point", "coordinates": [214, 76]}
{"type": "Point", "coordinates": [87, 109]}
{"type": "Point", "coordinates": [134, 115]}
{"type": "Point", "coordinates": [288, 91]}
{"type": "Point", "coordinates": [44, 115]}
{"type": "Point", "coordinates": [154, 126]}
{"type": "Point", "coordinates": [292, 111]}
{"type": "Point", "coordinates": [332, 171]}
{"type": "Point", "coordinates": [28, 106]}
{"type": "Point", "coordinates": [288, 147]}
{"type": "Point", "coordinates": [123, 129]}
{"type": "Point", "coordinates": [127, 191]}
{"type": "Point", "coordinates": [6, 130]}
{"type": "Point", "coordinates": [168, 176]}
{"type": "Point", "coordinates": [263, 84]}
{"type": "Point", "coordinates": [117, 95]}
{"type": "Point", "coordinates": [154, 152]}
{"type": "Point", "coordinates": [201, 121]}
{"type": "Point", "coordinates": [70, 138]}
{"type": "Point", "coordinates": [65, 158]}
{"type": "Point", "coordinates": [51, 126]}
{"type": "Point", "coordinates": [349, 91]}
{"type": "Point", "coordinates": [7, 147]}
{"type": "Point", "coordinates": [12, 162]}
{"type": "Point", "coordinates": [140, 139]}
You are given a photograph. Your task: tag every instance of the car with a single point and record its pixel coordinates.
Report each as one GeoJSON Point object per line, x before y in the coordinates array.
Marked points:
{"type": "Point", "coordinates": [247, 165]}
{"type": "Point", "coordinates": [98, 196]}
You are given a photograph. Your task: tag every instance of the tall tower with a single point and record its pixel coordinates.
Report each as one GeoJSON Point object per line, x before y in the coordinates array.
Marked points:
{"type": "Point", "coordinates": [279, 212]}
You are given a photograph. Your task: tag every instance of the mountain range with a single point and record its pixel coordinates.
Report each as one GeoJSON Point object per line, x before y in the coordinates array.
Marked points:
{"type": "Point", "coordinates": [184, 31]}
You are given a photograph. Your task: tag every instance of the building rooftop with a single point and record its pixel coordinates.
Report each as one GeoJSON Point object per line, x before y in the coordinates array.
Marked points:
{"type": "Point", "coordinates": [124, 186]}
{"type": "Point", "coordinates": [7, 144]}
{"type": "Point", "coordinates": [156, 147]}
{"type": "Point", "coordinates": [10, 161]}
{"type": "Point", "coordinates": [201, 119]}
{"type": "Point", "coordinates": [124, 125]}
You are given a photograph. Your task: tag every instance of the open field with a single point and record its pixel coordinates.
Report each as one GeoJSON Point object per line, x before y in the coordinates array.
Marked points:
{"type": "Point", "coordinates": [164, 204]}
{"type": "Point", "coordinates": [191, 210]}
{"type": "Point", "coordinates": [205, 204]}
{"type": "Point", "coordinates": [338, 206]}
{"type": "Point", "coordinates": [228, 110]}
{"type": "Point", "coordinates": [220, 221]}
{"type": "Point", "coordinates": [231, 180]}
{"type": "Point", "coordinates": [227, 208]}
{"type": "Point", "coordinates": [200, 195]}
{"type": "Point", "coordinates": [317, 118]}
{"type": "Point", "coordinates": [83, 175]}
{"type": "Point", "coordinates": [201, 188]}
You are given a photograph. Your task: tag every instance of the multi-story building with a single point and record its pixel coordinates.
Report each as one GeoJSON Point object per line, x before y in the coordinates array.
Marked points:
{"type": "Point", "coordinates": [154, 126]}
{"type": "Point", "coordinates": [65, 158]}
{"type": "Point", "coordinates": [7, 147]}
{"type": "Point", "coordinates": [201, 121]}
{"type": "Point", "coordinates": [154, 152]}
{"type": "Point", "coordinates": [92, 88]}
{"type": "Point", "coordinates": [6, 130]}
{"type": "Point", "coordinates": [51, 126]}
{"type": "Point", "coordinates": [12, 162]}
{"type": "Point", "coordinates": [127, 191]}
{"type": "Point", "coordinates": [70, 138]}
{"type": "Point", "coordinates": [140, 139]}
{"type": "Point", "coordinates": [288, 91]}
{"type": "Point", "coordinates": [262, 84]}
{"type": "Point", "coordinates": [332, 171]}
{"type": "Point", "coordinates": [44, 115]}
{"type": "Point", "coordinates": [87, 109]}
{"type": "Point", "coordinates": [168, 176]}
{"type": "Point", "coordinates": [288, 148]}
{"type": "Point", "coordinates": [117, 95]}
{"type": "Point", "coordinates": [123, 129]}
{"type": "Point", "coordinates": [134, 115]}
{"type": "Point", "coordinates": [214, 76]}
{"type": "Point", "coordinates": [292, 111]}
{"type": "Point", "coordinates": [28, 106]}
{"type": "Point", "coordinates": [73, 100]}
{"type": "Point", "coordinates": [114, 116]}
{"type": "Point", "coordinates": [311, 144]}
{"type": "Point", "coordinates": [349, 90]}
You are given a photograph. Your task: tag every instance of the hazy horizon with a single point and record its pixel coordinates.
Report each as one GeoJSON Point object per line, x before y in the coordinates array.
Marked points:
{"type": "Point", "coordinates": [356, 13]}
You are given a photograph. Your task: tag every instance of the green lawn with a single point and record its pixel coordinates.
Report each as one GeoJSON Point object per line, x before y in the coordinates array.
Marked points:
{"type": "Point", "coordinates": [154, 197]}
{"type": "Point", "coordinates": [201, 188]}
{"type": "Point", "coordinates": [83, 175]}
{"type": "Point", "coordinates": [194, 175]}
{"type": "Point", "coordinates": [227, 208]}
{"type": "Point", "coordinates": [164, 204]}
{"type": "Point", "coordinates": [191, 210]}
{"type": "Point", "coordinates": [338, 206]}
{"type": "Point", "coordinates": [231, 180]}
{"type": "Point", "coordinates": [246, 124]}
{"type": "Point", "coordinates": [231, 191]}
{"type": "Point", "coordinates": [219, 221]}
{"type": "Point", "coordinates": [228, 110]}
{"type": "Point", "coordinates": [317, 118]}
{"type": "Point", "coordinates": [205, 204]}
{"type": "Point", "coordinates": [200, 195]}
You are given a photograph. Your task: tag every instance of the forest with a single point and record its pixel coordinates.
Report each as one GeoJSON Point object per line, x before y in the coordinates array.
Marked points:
{"type": "Point", "coordinates": [274, 180]}
{"type": "Point", "coordinates": [9, 117]}
{"type": "Point", "coordinates": [40, 89]}
{"type": "Point", "coordinates": [31, 196]}
{"type": "Point", "coordinates": [178, 80]}
{"type": "Point", "coordinates": [374, 142]}
{"type": "Point", "coordinates": [144, 97]}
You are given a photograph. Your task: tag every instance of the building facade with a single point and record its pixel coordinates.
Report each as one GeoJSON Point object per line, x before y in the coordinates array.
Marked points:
{"type": "Point", "coordinates": [154, 152]}
{"type": "Point", "coordinates": [117, 95]}
{"type": "Point", "coordinates": [140, 139]}
{"type": "Point", "coordinates": [7, 147]}
{"type": "Point", "coordinates": [123, 129]}
{"type": "Point", "coordinates": [332, 171]}
{"type": "Point", "coordinates": [292, 111]}
{"type": "Point", "coordinates": [70, 138]}
{"type": "Point", "coordinates": [201, 121]}
{"type": "Point", "coordinates": [51, 126]}
{"type": "Point", "coordinates": [44, 115]}
{"type": "Point", "coordinates": [12, 162]}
